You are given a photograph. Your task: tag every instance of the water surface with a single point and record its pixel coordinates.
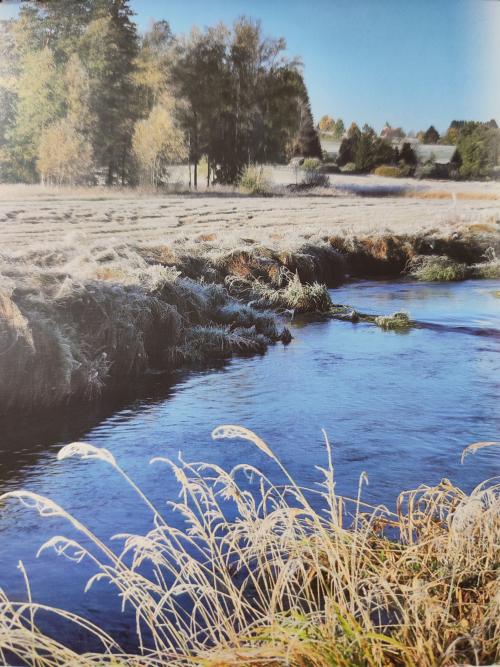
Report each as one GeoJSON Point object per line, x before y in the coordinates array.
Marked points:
{"type": "Point", "coordinates": [400, 407]}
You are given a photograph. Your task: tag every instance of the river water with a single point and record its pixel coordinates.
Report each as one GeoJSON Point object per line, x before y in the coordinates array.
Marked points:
{"type": "Point", "coordinates": [398, 406]}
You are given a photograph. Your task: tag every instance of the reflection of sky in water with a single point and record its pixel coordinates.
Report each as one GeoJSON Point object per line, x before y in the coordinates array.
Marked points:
{"type": "Point", "coordinates": [469, 303]}
{"type": "Point", "coordinates": [399, 406]}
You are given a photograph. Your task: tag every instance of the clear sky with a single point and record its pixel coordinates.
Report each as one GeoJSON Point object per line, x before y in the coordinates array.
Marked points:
{"type": "Point", "coordinates": [411, 62]}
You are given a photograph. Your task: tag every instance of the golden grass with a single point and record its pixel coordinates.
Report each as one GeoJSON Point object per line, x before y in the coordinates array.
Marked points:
{"type": "Point", "coordinates": [483, 227]}
{"type": "Point", "coordinates": [299, 577]}
{"type": "Point", "coordinates": [446, 194]}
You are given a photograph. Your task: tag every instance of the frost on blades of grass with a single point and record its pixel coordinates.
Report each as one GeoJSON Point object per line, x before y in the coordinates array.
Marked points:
{"type": "Point", "coordinates": [274, 575]}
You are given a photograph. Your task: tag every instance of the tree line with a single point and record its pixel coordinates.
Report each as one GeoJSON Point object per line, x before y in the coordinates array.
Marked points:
{"type": "Point", "coordinates": [477, 152]}
{"type": "Point", "coordinates": [85, 98]}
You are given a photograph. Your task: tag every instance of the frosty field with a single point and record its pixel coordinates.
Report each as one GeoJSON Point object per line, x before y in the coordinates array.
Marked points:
{"type": "Point", "coordinates": [35, 216]}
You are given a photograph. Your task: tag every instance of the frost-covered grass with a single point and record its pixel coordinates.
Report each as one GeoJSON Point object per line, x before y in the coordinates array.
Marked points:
{"type": "Point", "coordinates": [489, 270]}
{"type": "Point", "coordinates": [74, 322]}
{"type": "Point", "coordinates": [270, 575]}
{"type": "Point", "coordinates": [294, 296]}
{"type": "Point", "coordinates": [100, 285]}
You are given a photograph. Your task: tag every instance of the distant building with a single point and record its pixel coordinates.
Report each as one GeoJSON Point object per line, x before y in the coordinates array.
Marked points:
{"type": "Point", "coordinates": [442, 154]}
{"type": "Point", "coordinates": [330, 147]}
{"type": "Point", "coordinates": [392, 133]}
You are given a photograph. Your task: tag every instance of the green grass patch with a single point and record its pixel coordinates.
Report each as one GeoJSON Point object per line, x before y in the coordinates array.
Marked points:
{"type": "Point", "coordinates": [439, 268]}
{"type": "Point", "coordinates": [399, 321]}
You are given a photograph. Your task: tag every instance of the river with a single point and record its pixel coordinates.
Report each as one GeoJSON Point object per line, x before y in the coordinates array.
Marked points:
{"type": "Point", "coordinates": [398, 406]}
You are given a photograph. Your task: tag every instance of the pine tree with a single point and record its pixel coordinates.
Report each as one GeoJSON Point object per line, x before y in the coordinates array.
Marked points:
{"type": "Point", "coordinates": [108, 50]}
{"type": "Point", "coordinates": [308, 144]}
{"type": "Point", "coordinates": [431, 136]}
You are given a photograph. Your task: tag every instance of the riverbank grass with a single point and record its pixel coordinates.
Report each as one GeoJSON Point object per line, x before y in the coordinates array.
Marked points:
{"type": "Point", "coordinates": [267, 574]}
{"type": "Point", "coordinates": [438, 268]}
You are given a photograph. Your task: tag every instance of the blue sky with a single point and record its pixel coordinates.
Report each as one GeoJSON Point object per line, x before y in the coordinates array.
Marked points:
{"type": "Point", "coordinates": [411, 62]}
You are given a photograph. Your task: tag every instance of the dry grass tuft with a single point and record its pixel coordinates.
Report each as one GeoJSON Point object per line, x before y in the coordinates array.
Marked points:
{"type": "Point", "coordinates": [488, 270]}
{"type": "Point", "coordinates": [295, 577]}
{"type": "Point", "coordinates": [293, 296]}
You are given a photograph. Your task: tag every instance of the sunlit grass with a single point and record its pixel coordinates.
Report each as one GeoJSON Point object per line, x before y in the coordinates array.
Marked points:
{"type": "Point", "coordinates": [296, 576]}
{"type": "Point", "coordinates": [439, 268]}
{"type": "Point", "coordinates": [399, 321]}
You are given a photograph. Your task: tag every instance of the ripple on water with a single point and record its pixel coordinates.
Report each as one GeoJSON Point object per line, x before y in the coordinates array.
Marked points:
{"type": "Point", "coordinates": [400, 407]}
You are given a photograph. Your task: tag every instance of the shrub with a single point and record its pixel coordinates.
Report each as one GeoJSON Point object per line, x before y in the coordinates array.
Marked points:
{"type": "Point", "coordinates": [311, 164]}
{"type": "Point", "coordinates": [408, 155]}
{"type": "Point", "coordinates": [315, 179]}
{"type": "Point", "coordinates": [349, 168]}
{"type": "Point", "coordinates": [432, 169]}
{"type": "Point", "coordinates": [388, 170]}
{"type": "Point", "coordinates": [253, 181]}
{"type": "Point", "coordinates": [426, 169]}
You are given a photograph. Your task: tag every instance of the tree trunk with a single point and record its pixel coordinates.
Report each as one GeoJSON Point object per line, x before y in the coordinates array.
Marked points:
{"type": "Point", "coordinates": [124, 157]}
{"type": "Point", "coordinates": [196, 154]}
{"type": "Point", "coordinates": [109, 179]}
{"type": "Point", "coordinates": [208, 171]}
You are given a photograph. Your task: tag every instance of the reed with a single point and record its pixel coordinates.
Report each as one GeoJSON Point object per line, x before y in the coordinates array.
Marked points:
{"type": "Point", "coordinates": [300, 577]}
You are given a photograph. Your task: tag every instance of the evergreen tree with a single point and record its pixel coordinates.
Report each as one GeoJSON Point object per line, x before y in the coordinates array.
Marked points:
{"type": "Point", "coordinates": [349, 146]}
{"type": "Point", "coordinates": [108, 50]}
{"type": "Point", "coordinates": [408, 155]}
{"type": "Point", "coordinates": [431, 135]}
{"type": "Point", "coordinates": [308, 144]}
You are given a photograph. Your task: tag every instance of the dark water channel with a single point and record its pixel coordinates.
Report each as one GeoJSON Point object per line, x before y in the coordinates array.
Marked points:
{"type": "Point", "coordinates": [400, 407]}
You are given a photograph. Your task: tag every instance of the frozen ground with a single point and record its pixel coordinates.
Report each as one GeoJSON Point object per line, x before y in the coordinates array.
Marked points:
{"type": "Point", "coordinates": [35, 216]}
